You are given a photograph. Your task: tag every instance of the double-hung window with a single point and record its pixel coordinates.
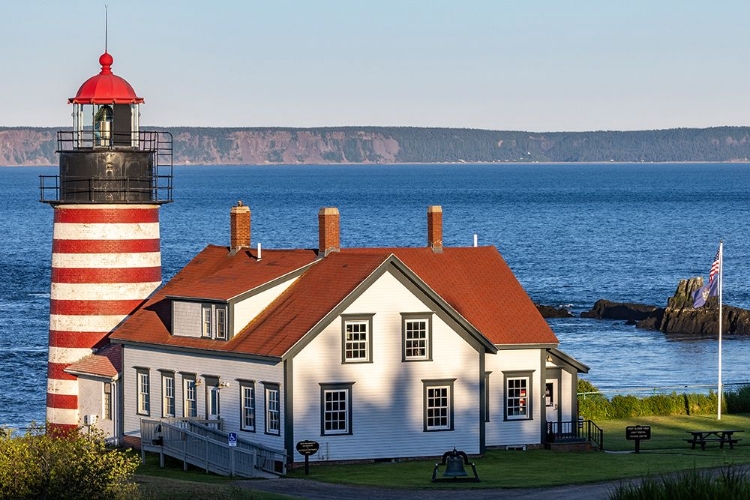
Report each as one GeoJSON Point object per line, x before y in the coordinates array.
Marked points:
{"type": "Point", "coordinates": [167, 391]}
{"type": "Point", "coordinates": [273, 409]}
{"type": "Point", "coordinates": [142, 382]}
{"type": "Point", "coordinates": [221, 323]}
{"type": "Point", "coordinates": [247, 400]}
{"type": "Point", "coordinates": [107, 401]}
{"type": "Point", "coordinates": [518, 396]}
{"type": "Point", "coordinates": [438, 405]}
{"type": "Point", "coordinates": [336, 408]}
{"type": "Point", "coordinates": [357, 339]}
{"type": "Point", "coordinates": [416, 336]}
{"type": "Point", "coordinates": [206, 320]}
{"type": "Point", "coordinates": [190, 401]}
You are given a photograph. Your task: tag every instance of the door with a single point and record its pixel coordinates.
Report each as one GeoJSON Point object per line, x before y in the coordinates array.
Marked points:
{"type": "Point", "coordinates": [551, 401]}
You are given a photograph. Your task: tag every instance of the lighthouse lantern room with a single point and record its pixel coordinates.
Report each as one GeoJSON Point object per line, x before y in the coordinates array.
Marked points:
{"type": "Point", "coordinates": [106, 257]}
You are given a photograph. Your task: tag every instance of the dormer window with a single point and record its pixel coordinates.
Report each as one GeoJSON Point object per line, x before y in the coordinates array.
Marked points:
{"type": "Point", "coordinates": [207, 320]}
{"type": "Point", "coordinates": [194, 318]}
{"type": "Point", "coordinates": [221, 323]}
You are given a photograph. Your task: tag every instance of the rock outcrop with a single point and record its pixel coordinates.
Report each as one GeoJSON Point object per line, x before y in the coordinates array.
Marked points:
{"type": "Point", "coordinates": [679, 316]}
{"type": "Point", "coordinates": [553, 312]}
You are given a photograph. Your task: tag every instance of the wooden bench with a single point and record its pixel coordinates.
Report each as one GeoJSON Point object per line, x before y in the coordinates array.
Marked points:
{"type": "Point", "coordinates": [722, 437]}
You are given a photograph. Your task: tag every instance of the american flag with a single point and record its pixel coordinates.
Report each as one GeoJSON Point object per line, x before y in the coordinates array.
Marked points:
{"type": "Point", "coordinates": [715, 267]}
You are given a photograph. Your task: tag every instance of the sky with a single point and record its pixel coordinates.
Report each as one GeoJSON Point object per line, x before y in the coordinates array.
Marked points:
{"type": "Point", "coordinates": [541, 65]}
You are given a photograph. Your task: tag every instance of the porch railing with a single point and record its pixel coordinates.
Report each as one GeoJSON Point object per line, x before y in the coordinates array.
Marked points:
{"type": "Point", "coordinates": [575, 430]}
{"type": "Point", "coordinates": [206, 446]}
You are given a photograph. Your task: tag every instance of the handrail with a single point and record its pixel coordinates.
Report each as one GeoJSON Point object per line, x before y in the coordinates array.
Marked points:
{"type": "Point", "coordinates": [155, 187]}
{"type": "Point", "coordinates": [574, 430]}
{"type": "Point", "coordinates": [208, 447]}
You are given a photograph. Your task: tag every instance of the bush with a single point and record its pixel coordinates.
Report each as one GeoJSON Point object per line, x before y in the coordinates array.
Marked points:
{"type": "Point", "coordinates": [594, 406]}
{"type": "Point", "coordinates": [70, 466]}
{"type": "Point", "coordinates": [738, 401]}
{"type": "Point", "coordinates": [729, 484]}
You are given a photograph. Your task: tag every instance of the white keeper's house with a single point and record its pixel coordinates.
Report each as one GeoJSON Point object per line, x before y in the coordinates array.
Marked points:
{"type": "Point", "coordinates": [372, 352]}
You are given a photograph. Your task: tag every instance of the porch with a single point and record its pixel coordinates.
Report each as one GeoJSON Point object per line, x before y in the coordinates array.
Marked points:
{"type": "Point", "coordinates": [574, 432]}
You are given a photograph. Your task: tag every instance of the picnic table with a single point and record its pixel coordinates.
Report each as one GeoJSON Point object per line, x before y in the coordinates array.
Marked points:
{"type": "Point", "coordinates": [721, 437]}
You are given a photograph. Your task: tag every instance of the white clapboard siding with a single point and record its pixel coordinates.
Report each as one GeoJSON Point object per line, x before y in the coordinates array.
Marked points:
{"type": "Point", "coordinates": [505, 432]}
{"type": "Point", "coordinates": [246, 310]}
{"type": "Point", "coordinates": [568, 395]}
{"type": "Point", "coordinates": [228, 369]}
{"type": "Point", "coordinates": [91, 402]}
{"type": "Point", "coordinates": [387, 395]}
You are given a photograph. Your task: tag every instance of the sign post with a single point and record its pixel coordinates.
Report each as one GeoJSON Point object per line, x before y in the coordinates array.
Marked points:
{"type": "Point", "coordinates": [307, 448]}
{"type": "Point", "coordinates": [636, 433]}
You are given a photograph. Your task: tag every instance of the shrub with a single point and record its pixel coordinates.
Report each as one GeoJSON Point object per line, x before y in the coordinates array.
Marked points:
{"type": "Point", "coordinates": [73, 466]}
{"type": "Point", "coordinates": [738, 401]}
{"type": "Point", "coordinates": [729, 484]}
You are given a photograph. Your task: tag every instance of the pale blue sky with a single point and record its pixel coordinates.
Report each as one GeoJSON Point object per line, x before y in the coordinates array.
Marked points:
{"type": "Point", "coordinates": [536, 65]}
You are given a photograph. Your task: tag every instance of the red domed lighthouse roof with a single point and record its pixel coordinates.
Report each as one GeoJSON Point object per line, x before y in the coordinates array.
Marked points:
{"type": "Point", "coordinates": [105, 88]}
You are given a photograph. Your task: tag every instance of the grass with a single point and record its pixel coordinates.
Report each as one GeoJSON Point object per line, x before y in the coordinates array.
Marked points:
{"type": "Point", "coordinates": [667, 452]}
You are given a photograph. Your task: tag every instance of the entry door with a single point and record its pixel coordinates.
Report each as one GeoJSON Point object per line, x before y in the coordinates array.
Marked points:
{"type": "Point", "coordinates": [552, 399]}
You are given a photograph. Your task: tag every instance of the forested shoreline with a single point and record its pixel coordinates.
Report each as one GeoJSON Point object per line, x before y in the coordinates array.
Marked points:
{"type": "Point", "coordinates": [26, 146]}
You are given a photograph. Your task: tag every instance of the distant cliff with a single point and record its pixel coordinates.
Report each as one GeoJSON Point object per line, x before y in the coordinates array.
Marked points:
{"type": "Point", "coordinates": [249, 146]}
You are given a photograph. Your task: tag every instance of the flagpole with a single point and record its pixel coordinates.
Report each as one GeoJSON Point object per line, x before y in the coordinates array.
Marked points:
{"type": "Point", "coordinates": [721, 277]}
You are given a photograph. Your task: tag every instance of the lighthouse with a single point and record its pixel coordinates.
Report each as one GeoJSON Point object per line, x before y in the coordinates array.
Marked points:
{"type": "Point", "coordinates": [106, 257]}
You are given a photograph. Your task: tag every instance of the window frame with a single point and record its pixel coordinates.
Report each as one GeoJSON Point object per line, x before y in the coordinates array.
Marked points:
{"type": "Point", "coordinates": [221, 324]}
{"type": "Point", "coordinates": [187, 378]}
{"type": "Point", "coordinates": [143, 397]}
{"type": "Point", "coordinates": [528, 397]}
{"type": "Point", "coordinates": [107, 401]}
{"type": "Point", "coordinates": [268, 389]}
{"type": "Point", "coordinates": [350, 319]}
{"type": "Point", "coordinates": [341, 387]}
{"type": "Point", "coordinates": [247, 385]}
{"type": "Point", "coordinates": [207, 321]}
{"type": "Point", "coordinates": [415, 317]}
{"type": "Point", "coordinates": [429, 385]}
{"type": "Point", "coordinates": [487, 396]}
{"type": "Point", "coordinates": [166, 376]}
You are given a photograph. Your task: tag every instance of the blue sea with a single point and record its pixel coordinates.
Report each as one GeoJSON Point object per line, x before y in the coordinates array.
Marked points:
{"type": "Point", "coordinates": [571, 233]}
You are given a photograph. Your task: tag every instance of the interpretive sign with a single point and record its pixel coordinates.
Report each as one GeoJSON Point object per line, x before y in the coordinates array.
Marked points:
{"type": "Point", "coordinates": [636, 433]}
{"type": "Point", "coordinates": [307, 448]}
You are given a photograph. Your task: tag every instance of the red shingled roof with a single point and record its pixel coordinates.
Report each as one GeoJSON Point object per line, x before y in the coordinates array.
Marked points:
{"type": "Point", "coordinates": [475, 282]}
{"type": "Point", "coordinates": [107, 362]}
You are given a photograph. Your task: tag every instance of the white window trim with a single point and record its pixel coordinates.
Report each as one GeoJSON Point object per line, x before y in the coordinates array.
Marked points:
{"type": "Point", "coordinates": [407, 318]}
{"type": "Point", "coordinates": [206, 321]}
{"type": "Point", "coordinates": [359, 319]}
{"type": "Point", "coordinates": [166, 398]}
{"type": "Point", "coordinates": [143, 384]}
{"type": "Point", "coordinates": [431, 385]}
{"type": "Point", "coordinates": [330, 389]}
{"type": "Point", "coordinates": [525, 395]}
{"type": "Point", "coordinates": [186, 383]}
{"type": "Point", "coordinates": [244, 386]}
{"type": "Point", "coordinates": [221, 323]}
{"type": "Point", "coordinates": [107, 400]}
{"type": "Point", "coordinates": [268, 390]}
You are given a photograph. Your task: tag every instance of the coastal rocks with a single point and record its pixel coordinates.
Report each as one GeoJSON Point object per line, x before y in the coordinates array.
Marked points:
{"type": "Point", "coordinates": [679, 316]}
{"type": "Point", "coordinates": [553, 312]}
{"type": "Point", "coordinates": [605, 309]}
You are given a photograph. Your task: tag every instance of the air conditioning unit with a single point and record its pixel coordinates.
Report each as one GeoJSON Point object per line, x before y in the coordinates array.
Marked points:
{"type": "Point", "coordinates": [89, 419]}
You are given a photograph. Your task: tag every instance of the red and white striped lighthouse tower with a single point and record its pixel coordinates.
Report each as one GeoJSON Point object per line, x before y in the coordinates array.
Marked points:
{"type": "Point", "coordinates": [106, 257]}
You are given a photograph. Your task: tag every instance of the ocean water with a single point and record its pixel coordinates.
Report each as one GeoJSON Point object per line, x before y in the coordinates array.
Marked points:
{"type": "Point", "coordinates": [571, 233]}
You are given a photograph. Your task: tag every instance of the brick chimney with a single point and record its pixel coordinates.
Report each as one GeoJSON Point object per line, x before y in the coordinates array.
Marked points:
{"type": "Point", "coordinates": [328, 231]}
{"type": "Point", "coordinates": [435, 228]}
{"type": "Point", "coordinates": [239, 227]}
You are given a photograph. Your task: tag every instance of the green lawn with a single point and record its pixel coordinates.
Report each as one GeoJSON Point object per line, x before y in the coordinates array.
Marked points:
{"type": "Point", "coordinates": [667, 451]}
